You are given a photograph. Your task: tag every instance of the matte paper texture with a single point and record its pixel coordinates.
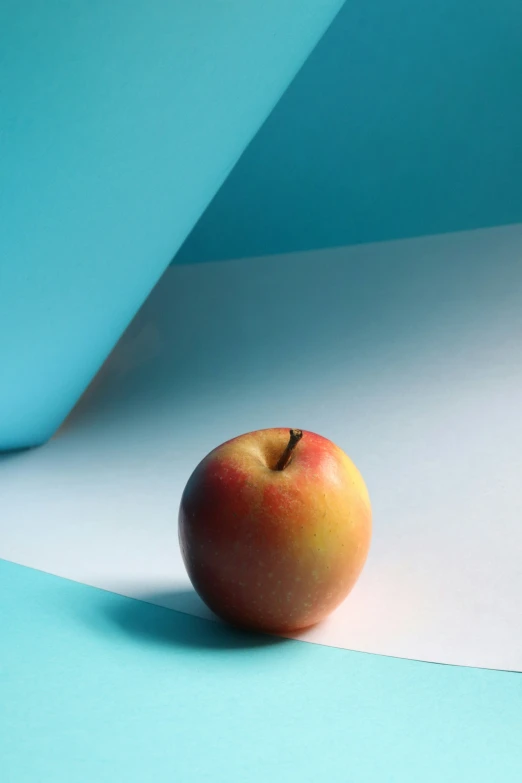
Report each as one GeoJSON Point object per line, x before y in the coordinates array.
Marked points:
{"type": "Point", "coordinates": [406, 354]}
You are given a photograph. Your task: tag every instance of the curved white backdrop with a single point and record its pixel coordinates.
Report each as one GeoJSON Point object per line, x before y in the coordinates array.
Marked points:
{"type": "Point", "coordinates": [407, 354]}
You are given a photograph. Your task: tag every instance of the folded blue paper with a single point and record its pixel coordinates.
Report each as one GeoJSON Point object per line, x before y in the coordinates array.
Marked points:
{"type": "Point", "coordinates": [406, 120]}
{"type": "Point", "coordinates": [119, 121]}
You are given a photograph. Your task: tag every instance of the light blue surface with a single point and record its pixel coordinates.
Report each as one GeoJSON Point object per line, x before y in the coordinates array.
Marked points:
{"type": "Point", "coordinates": [406, 120]}
{"type": "Point", "coordinates": [119, 121]}
{"type": "Point", "coordinates": [95, 687]}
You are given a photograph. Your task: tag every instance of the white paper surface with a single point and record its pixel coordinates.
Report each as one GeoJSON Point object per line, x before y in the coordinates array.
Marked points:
{"type": "Point", "coordinates": [407, 354]}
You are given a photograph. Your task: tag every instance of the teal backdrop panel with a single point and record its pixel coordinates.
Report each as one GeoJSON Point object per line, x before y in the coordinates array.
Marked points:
{"type": "Point", "coordinates": [96, 688]}
{"type": "Point", "coordinates": [118, 123]}
{"type": "Point", "coordinates": [406, 120]}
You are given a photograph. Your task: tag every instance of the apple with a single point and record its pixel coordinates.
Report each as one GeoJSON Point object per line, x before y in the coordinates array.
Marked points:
{"type": "Point", "coordinates": [275, 528]}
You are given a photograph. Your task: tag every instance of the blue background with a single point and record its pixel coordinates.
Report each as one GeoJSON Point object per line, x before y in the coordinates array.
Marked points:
{"type": "Point", "coordinates": [118, 123]}
{"type": "Point", "coordinates": [95, 687]}
{"type": "Point", "coordinates": [406, 120]}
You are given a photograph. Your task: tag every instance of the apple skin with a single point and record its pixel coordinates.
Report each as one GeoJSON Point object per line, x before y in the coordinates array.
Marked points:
{"type": "Point", "coordinates": [274, 550]}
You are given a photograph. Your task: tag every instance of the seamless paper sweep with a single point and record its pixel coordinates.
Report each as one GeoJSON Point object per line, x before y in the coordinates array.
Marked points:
{"type": "Point", "coordinates": [407, 354]}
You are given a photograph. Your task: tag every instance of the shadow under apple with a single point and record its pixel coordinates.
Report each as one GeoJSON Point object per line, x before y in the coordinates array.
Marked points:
{"type": "Point", "coordinates": [146, 621]}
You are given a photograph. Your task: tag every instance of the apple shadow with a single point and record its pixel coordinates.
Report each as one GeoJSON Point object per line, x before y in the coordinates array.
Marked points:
{"type": "Point", "coordinates": [176, 626]}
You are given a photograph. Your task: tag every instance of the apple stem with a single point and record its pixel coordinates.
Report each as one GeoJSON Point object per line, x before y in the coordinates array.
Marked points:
{"type": "Point", "coordinates": [295, 437]}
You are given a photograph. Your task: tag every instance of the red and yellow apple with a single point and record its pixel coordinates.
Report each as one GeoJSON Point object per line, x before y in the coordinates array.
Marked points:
{"type": "Point", "coordinates": [274, 528]}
